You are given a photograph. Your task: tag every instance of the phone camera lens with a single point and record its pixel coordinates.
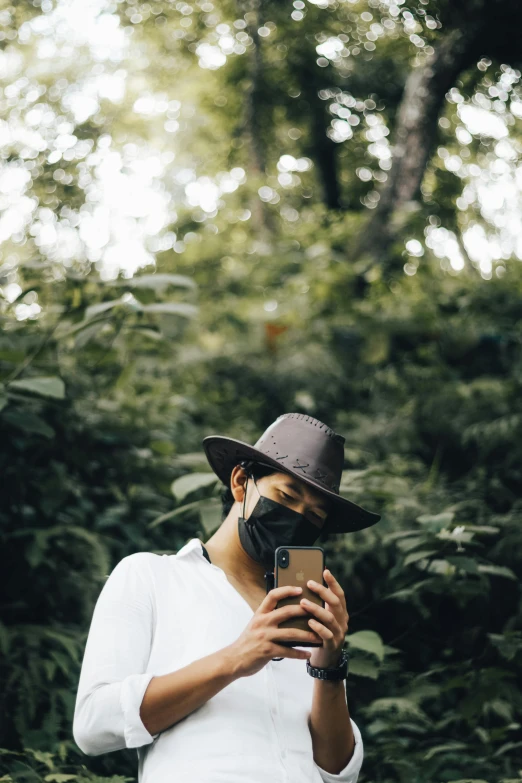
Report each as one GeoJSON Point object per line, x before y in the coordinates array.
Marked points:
{"type": "Point", "coordinates": [283, 558]}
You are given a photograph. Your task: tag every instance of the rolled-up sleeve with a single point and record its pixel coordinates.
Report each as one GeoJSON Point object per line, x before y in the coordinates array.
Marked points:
{"type": "Point", "coordinates": [113, 677]}
{"type": "Point", "coordinates": [351, 772]}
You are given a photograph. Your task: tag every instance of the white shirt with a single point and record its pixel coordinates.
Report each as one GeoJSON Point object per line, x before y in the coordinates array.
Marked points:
{"type": "Point", "coordinates": [158, 613]}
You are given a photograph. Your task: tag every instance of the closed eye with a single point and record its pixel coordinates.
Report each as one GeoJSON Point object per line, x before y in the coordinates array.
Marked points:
{"type": "Point", "coordinates": [290, 497]}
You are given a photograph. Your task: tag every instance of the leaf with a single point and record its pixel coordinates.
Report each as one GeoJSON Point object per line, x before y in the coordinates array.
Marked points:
{"type": "Point", "coordinates": [59, 777]}
{"type": "Point", "coordinates": [46, 387]}
{"type": "Point", "coordinates": [145, 331]}
{"type": "Point", "coordinates": [3, 402]}
{"type": "Point", "coordinates": [363, 667]}
{"type": "Point", "coordinates": [157, 282]}
{"type": "Point", "coordinates": [495, 570]}
{"type": "Point", "coordinates": [447, 748]}
{"type": "Point", "coordinates": [414, 557]}
{"type": "Point", "coordinates": [487, 529]}
{"type": "Point", "coordinates": [368, 641]}
{"type": "Point", "coordinates": [437, 521]}
{"type": "Point", "coordinates": [39, 755]}
{"type": "Point", "coordinates": [174, 513]}
{"type": "Point", "coordinates": [463, 563]}
{"type": "Point", "coordinates": [28, 422]}
{"type": "Point", "coordinates": [399, 706]}
{"type": "Point", "coordinates": [88, 331]}
{"type": "Point", "coordinates": [508, 644]}
{"type": "Point", "coordinates": [172, 308]}
{"type": "Point", "coordinates": [210, 515]}
{"type": "Point", "coordinates": [102, 307]}
{"type": "Point", "coordinates": [183, 486]}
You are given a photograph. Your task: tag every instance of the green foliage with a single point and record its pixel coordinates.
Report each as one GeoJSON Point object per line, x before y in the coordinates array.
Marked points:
{"type": "Point", "coordinates": [110, 376]}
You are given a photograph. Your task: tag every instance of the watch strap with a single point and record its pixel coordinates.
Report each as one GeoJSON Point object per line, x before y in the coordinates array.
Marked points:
{"type": "Point", "coordinates": [339, 672]}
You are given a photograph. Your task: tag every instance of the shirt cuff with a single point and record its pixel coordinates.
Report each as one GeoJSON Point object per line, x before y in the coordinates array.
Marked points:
{"type": "Point", "coordinates": [351, 772]}
{"type": "Point", "coordinates": [131, 696]}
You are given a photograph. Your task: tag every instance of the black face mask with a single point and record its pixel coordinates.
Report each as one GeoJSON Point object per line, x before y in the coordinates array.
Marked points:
{"type": "Point", "coordinates": [271, 525]}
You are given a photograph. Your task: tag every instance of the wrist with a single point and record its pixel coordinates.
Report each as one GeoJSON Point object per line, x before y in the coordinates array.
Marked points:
{"type": "Point", "coordinates": [229, 663]}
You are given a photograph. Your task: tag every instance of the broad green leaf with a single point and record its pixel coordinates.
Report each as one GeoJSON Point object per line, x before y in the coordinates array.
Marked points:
{"type": "Point", "coordinates": [172, 308]}
{"type": "Point", "coordinates": [463, 563]}
{"type": "Point", "coordinates": [369, 641]}
{"type": "Point", "coordinates": [414, 557]}
{"type": "Point", "coordinates": [157, 282]}
{"type": "Point", "coordinates": [407, 544]}
{"type": "Point", "coordinates": [59, 777]}
{"type": "Point", "coordinates": [363, 667]}
{"type": "Point", "coordinates": [495, 570]}
{"type": "Point", "coordinates": [45, 387]}
{"type": "Point", "coordinates": [174, 513]}
{"type": "Point", "coordinates": [437, 521]}
{"type": "Point", "coordinates": [400, 706]}
{"type": "Point", "coordinates": [210, 515]}
{"type": "Point", "coordinates": [29, 422]}
{"type": "Point", "coordinates": [88, 332]}
{"type": "Point", "coordinates": [487, 529]}
{"type": "Point", "coordinates": [184, 485]}
{"type": "Point", "coordinates": [448, 747]}
{"type": "Point", "coordinates": [508, 644]}
{"type": "Point", "coordinates": [102, 307]}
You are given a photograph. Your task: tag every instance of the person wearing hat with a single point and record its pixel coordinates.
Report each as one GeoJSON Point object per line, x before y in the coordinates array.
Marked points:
{"type": "Point", "coordinates": [182, 660]}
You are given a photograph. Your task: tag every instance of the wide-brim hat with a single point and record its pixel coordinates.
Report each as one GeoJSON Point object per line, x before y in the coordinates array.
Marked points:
{"type": "Point", "coordinates": [305, 448]}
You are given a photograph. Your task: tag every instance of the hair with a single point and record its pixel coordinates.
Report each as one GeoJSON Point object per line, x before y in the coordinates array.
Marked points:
{"type": "Point", "coordinates": [254, 470]}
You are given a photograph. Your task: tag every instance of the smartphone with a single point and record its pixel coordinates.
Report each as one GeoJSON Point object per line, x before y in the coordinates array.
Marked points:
{"type": "Point", "coordinates": [295, 565]}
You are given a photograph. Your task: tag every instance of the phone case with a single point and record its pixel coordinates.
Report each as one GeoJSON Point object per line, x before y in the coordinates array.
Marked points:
{"type": "Point", "coordinates": [305, 562]}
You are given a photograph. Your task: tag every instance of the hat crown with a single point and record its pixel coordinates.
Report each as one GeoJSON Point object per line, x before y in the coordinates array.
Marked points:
{"type": "Point", "coordinates": [306, 446]}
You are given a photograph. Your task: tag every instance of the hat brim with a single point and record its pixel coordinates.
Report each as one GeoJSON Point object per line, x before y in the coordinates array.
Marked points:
{"type": "Point", "coordinates": [224, 453]}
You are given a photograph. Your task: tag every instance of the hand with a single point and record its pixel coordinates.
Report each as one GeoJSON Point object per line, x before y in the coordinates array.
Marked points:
{"type": "Point", "coordinates": [258, 643]}
{"type": "Point", "coordinates": [330, 623]}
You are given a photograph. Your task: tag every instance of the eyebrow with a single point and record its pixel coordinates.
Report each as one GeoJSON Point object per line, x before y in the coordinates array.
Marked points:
{"type": "Point", "coordinates": [297, 488]}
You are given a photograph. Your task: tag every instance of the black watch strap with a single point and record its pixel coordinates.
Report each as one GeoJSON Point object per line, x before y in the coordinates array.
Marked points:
{"type": "Point", "coordinates": [339, 672]}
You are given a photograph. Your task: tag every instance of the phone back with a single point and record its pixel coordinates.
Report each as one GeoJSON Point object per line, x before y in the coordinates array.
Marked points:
{"type": "Point", "coordinates": [304, 563]}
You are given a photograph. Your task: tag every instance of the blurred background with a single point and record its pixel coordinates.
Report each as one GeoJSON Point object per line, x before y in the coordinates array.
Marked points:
{"type": "Point", "coordinates": [215, 213]}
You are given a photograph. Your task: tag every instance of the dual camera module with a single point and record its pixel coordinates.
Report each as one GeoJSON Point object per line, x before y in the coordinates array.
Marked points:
{"type": "Point", "coordinates": [283, 558]}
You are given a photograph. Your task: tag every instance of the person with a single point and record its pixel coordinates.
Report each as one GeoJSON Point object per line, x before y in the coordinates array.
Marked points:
{"type": "Point", "coordinates": [182, 660]}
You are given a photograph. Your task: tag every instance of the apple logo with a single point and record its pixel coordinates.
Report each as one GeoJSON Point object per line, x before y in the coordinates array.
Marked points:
{"type": "Point", "coordinates": [299, 575]}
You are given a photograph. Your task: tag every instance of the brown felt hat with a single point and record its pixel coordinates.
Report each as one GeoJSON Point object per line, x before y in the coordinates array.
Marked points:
{"type": "Point", "coordinates": [303, 447]}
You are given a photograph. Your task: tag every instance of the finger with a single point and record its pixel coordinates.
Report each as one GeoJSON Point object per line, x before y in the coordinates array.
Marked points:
{"type": "Point", "coordinates": [324, 632]}
{"type": "Point", "coordinates": [334, 586]}
{"type": "Point", "coordinates": [294, 635]}
{"type": "Point", "coordinates": [286, 613]}
{"type": "Point", "coordinates": [325, 593]}
{"type": "Point", "coordinates": [270, 600]}
{"type": "Point", "coordinates": [289, 652]}
{"type": "Point", "coordinates": [323, 615]}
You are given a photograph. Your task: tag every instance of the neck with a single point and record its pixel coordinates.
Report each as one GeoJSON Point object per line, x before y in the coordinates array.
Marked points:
{"type": "Point", "coordinates": [225, 551]}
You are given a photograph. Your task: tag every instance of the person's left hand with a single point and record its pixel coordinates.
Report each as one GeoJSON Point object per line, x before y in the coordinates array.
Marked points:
{"type": "Point", "coordinates": [330, 623]}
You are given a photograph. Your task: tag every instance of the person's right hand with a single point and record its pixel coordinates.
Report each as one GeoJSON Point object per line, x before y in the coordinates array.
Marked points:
{"type": "Point", "coordinates": [258, 642]}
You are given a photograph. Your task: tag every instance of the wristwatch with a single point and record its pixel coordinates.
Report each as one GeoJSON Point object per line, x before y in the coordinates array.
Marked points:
{"type": "Point", "coordinates": [339, 672]}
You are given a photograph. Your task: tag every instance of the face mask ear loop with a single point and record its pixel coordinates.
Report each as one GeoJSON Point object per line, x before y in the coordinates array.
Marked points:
{"type": "Point", "coordinates": [255, 483]}
{"type": "Point", "coordinates": [244, 496]}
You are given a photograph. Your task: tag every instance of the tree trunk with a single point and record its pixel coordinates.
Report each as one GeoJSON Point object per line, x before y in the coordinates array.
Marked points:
{"type": "Point", "coordinates": [415, 134]}
{"type": "Point", "coordinates": [254, 103]}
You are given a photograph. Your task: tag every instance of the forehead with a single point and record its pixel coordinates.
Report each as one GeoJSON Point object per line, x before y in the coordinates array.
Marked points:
{"type": "Point", "coordinates": [301, 487]}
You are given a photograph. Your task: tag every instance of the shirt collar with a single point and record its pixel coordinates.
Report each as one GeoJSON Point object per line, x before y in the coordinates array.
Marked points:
{"type": "Point", "coordinates": [192, 546]}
